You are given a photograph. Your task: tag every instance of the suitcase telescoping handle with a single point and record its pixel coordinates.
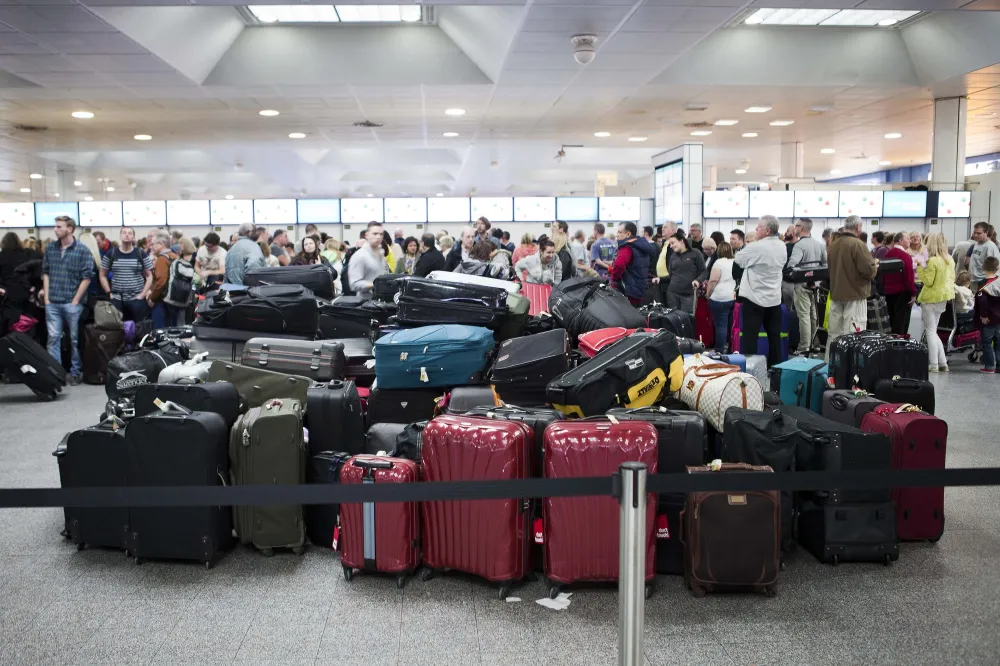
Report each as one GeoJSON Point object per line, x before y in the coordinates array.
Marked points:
{"type": "Point", "coordinates": [367, 463]}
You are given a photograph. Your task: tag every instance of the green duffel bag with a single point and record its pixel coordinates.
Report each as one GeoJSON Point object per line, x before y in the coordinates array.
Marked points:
{"type": "Point", "coordinates": [257, 386]}
{"type": "Point", "coordinates": [516, 318]}
{"type": "Point", "coordinates": [267, 447]}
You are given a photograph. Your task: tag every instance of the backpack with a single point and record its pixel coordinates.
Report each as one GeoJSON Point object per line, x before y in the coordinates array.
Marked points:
{"type": "Point", "coordinates": [345, 281]}
{"type": "Point", "coordinates": [179, 284]}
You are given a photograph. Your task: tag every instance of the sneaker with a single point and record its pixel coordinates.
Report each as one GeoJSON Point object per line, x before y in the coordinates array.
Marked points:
{"type": "Point", "coordinates": [987, 371]}
{"type": "Point", "coordinates": [944, 368]}
{"type": "Point", "coordinates": [74, 380]}
{"type": "Point", "coordinates": [932, 368]}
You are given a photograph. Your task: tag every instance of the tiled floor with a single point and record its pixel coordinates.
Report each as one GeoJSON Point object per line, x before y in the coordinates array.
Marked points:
{"type": "Point", "coordinates": [940, 604]}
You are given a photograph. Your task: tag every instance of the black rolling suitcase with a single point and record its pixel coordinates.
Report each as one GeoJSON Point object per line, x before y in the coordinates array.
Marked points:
{"type": "Point", "coordinates": [848, 407]}
{"type": "Point", "coordinates": [681, 441]}
{"type": "Point", "coordinates": [353, 317]}
{"type": "Point", "coordinates": [319, 360]}
{"type": "Point", "coordinates": [525, 366]}
{"type": "Point", "coordinates": [95, 457]}
{"type": "Point", "coordinates": [178, 448]}
{"type": "Point", "coordinates": [423, 289]}
{"type": "Point", "coordinates": [918, 392]}
{"type": "Point", "coordinates": [26, 361]}
{"type": "Point", "coordinates": [678, 322]}
{"type": "Point", "coordinates": [885, 357]}
{"type": "Point", "coordinates": [842, 365]}
{"type": "Point", "coordinates": [359, 360]}
{"type": "Point", "coordinates": [836, 533]}
{"type": "Point", "coordinates": [321, 519]}
{"type": "Point", "coordinates": [807, 271]}
{"type": "Point", "coordinates": [402, 405]}
{"type": "Point", "coordinates": [220, 398]}
{"type": "Point", "coordinates": [334, 418]}
{"type": "Point", "coordinates": [381, 438]}
{"type": "Point", "coordinates": [422, 302]}
{"type": "Point", "coordinates": [318, 278]}
{"type": "Point", "coordinates": [289, 309]}
{"type": "Point", "coordinates": [388, 285]}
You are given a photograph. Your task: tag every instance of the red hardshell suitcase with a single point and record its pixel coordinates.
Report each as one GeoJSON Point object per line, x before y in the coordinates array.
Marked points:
{"type": "Point", "coordinates": [704, 328]}
{"type": "Point", "coordinates": [919, 441]}
{"type": "Point", "coordinates": [381, 537]}
{"type": "Point", "coordinates": [486, 538]}
{"type": "Point", "coordinates": [594, 341]}
{"type": "Point", "coordinates": [581, 533]}
{"type": "Point", "coordinates": [538, 294]}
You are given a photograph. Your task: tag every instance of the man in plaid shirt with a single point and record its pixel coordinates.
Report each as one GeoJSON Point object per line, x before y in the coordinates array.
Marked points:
{"type": "Point", "coordinates": [67, 270]}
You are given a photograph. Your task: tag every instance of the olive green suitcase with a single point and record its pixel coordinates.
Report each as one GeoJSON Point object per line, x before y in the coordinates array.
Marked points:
{"type": "Point", "coordinates": [257, 386]}
{"type": "Point", "coordinates": [516, 318]}
{"type": "Point", "coordinates": [267, 447]}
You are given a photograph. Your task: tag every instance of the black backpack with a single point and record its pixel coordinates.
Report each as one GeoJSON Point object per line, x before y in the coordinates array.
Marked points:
{"type": "Point", "coordinates": [345, 282]}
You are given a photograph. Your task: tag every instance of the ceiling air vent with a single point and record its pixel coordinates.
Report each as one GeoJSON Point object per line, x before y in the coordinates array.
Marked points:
{"type": "Point", "coordinates": [700, 124]}
{"type": "Point", "coordinates": [367, 123]}
{"type": "Point", "coordinates": [30, 128]}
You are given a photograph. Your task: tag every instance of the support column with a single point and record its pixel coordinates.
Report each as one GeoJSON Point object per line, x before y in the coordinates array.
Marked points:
{"type": "Point", "coordinates": [793, 156]}
{"type": "Point", "coordinates": [948, 158]}
{"type": "Point", "coordinates": [711, 177]}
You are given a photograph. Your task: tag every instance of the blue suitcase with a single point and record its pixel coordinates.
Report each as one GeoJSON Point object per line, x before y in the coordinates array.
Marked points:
{"type": "Point", "coordinates": [762, 346]}
{"type": "Point", "coordinates": [443, 355]}
{"type": "Point", "coordinates": [730, 359]}
{"type": "Point", "coordinates": [801, 382]}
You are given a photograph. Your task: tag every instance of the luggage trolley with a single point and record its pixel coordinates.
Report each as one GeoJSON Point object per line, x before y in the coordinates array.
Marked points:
{"type": "Point", "coordinates": [958, 334]}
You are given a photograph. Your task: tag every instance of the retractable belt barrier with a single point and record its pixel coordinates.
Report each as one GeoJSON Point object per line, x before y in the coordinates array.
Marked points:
{"type": "Point", "coordinates": [180, 496]}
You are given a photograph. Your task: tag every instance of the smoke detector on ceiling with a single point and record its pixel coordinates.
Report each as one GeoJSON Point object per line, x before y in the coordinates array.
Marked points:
{"type": "Point", "coordinates": [584, 48]}
{"type": "Point", "coordinates": [699, 124]}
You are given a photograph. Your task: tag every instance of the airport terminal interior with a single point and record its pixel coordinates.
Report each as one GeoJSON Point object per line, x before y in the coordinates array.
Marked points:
{"type": "Point", "coordinates": [205, 115]}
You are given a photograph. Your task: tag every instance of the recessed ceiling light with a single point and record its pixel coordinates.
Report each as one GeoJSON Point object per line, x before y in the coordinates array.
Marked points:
{"type": "Point", "coordinates": [821, 108]}
{"type": "Point", "coordinates": [757, 109]}
{"type": "Point", "coordinates": [741, 171]}
{"type": "Point", "coordinates": [885, 162]}
{"type": "Point", "coordinates": [781, 123]}
{"type": "Point", "coordinates": [749, 135]}
{"type": "Point", "coordinates": [726, 123]}
{"type": "Point", "coordinates": [829, 17]}
{"type": "Point", "coordinates": [143, 137]}
{"type": "Point", "coordinates": [35, 176]}
{"type": "Point", "coordinates": [296, 135]}
{"type": "Point", "coordinates": [754, 19]}
{"type": "Point", "coordinates": [893, 135]}
{"type": "Point", "coordinates": [450, 135]}
{"type": "Point", "coordinates": [369, 195]}
{"type": "Point", "coordinates": [25, 190]}
{"type": "Point", "coordinates": [229, 197]}
{"type": "Point", "coordinates": [602, 135]}
{"type": "Point", "coordinates": [985, 115]}
{"type": "Point", "coordinates": [834, 172]}
{"type": "Point", "coordinates": [885, 23]}
{"type": "Point", "coordinates": [57, 195]}
{"type": "Point", "coordinates": [828, 151]}
{"type": "Point", "coordinates": [83, 115]}
{"type": "Point", "coordinates": [77, 183]}
{"type": "Point", "coordinates": [88, 198]}
{"type": "Point", "coordinates": [110, 188]}
{"type": "Point", "coordinates": [439, 194]}
{"type": "Point", "coordinates": [269, 112]}
{"type": "Point", "coordinates": [637, 139]}
{"type": "Point", "coordinates": [701, 132]}
{"type": "Point", "coordinates": [454, 112]}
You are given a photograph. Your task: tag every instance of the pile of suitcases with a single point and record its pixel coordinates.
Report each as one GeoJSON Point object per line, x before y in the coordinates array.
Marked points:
{"type": "Point", "coordinates": [449, 385]}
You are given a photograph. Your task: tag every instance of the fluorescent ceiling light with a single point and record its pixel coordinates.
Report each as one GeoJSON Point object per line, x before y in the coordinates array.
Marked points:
{"type": "Point", "coordinates": [454, 112]}
{"type": "Point", "coordinates": [35, 176]}
{"type": "Point", "coordinates": [88, 198]}
{"type": "Point", "coordinates": [726, 123]}
{"type": "Point", "coordinates": [439, 194]}
{"type": "Point", "coordinates": [229, 197]}
{"type": "Point", "coordinates": [142, 137]}
{"type": "Point", "coordinates": [781, 123]}
{"type": "Point", "coordinates": [637, 139]}
{"type": "Point", "coordinates": [834, 172]}
{"type": "Point", "coordinates": [25, 190]}
{"type": "Point", "coordinates": [335, 13]}
{"type": "Point", "coordinates": [830, 17]}
{"type": "Point", "coordinates": [369, 195]}
{"type": "Point", "coordinates": [57, 195]}
{"type": "Point", "coordinates": [110, 188]}
{"type": "Point", "coordinates": [828, 151]}
{"type": "Point", "coordinates": [749, 135]}
{"type": "Point", "coordinates": [985, 115]}
{"type": "Point", "coordinates": [269, 112]}
{"type": "Point", "coordinates": [296, 135]}
{"type": "Point", "coordinates": [893, 135]}
{"type": "Point", "coordinates": [602, 135]}
{"type": "Point", "coordinates": [757, 109]}
{"type": "Point", "coordinates": [885, 163]}
{"type": "Point", "coordinates": [77, 183]}
{"type": "Point", "coordinates": [450, 135]}
{"type": "Point", "coordinates": [83, 115]}
{"type": "Point", "coordinates": [701, 132]}
{"type": "Point", "coordinates": [741, 171]}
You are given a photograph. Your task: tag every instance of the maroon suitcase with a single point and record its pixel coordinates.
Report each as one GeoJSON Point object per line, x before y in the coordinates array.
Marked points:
{"type": "Point", "coordinates": [581, 533]}
{"type": "Point", "coordinates": [487, 538]}
{"type": "Point", "coordinates": [919, 441]}
{"type": "Point", "coordinates": [380, 537]}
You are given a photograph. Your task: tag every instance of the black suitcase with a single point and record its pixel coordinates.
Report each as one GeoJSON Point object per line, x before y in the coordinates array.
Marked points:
{"type": "Point", "coordinates": [99, 347]}
{"type": "Point", "coordinates": [287, 309]}
{"type": "Point", "coordinates": [319, 360]}
{"type": "Point", "coordinates": [807, 271]}
{"type": "Point", "coordinates": [95, 457]}
{"type": "Point", "coordinates": [848, 407]}
{"type": "Point", "coordinates": [681, 441]}
{"type": "Point", "coordinates": [220, 398]}
{"type": "Point", "coordinates": [353, 317]}
{"type": "Point", "coordinates": [586, 304]}
{"type": "Point", "coordinates": [128, 372]}
{"type": "Point", "coordinates": [423, 289]}
{"type": "Point", "coordinates": [765, 438]}
{"type": "Point", "coordinates": [321, 519]}
{"type": "Point", "coordinates": [334, 418]}
{"type": "Point", "coordinates": [841, 368]}
{"type": "Point", "coordinates": [381, 437]}
{"type": "Point", "coordinates": [689, 346]}
{"type": "Point", "coordinates": [887, 357]}
{"type": "Point", "coordinates": [359, 358]}
{"type": "Point", "coordinates": [678, 322]}
{"type": "Point", "coordinates": [836, 533]}
{"type": "Point", "coordinates": [913, 391]}
{"type": "Point", "coordinates": [178, 448]}
{"type": "Point", "coordinates": [402, 405]}
{"type": "Point", "coordinates": [424, 312]}
{"type": "Point", "coordinates": [26, 361]}
{"type": "Point", "coordinates": [831, 446]}
{"type": "Point", "coordinates": [463, 398]}
{"type": "Point", "coordinates": [388, 285]}
{"type": "Point", "coordinates": [318, 278]}
{"type": "Point", "coordinates": [525, 366]}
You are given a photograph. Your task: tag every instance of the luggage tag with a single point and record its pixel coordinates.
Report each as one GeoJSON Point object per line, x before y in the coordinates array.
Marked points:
{"type": "Point", "coordinates": [662, 527]}
{"type": "Point", "coordinates": [336, 537]}
{"type": "Point", "coordinates": [539, 532]}
{"type": "Point", "coordinates": [423, 375]}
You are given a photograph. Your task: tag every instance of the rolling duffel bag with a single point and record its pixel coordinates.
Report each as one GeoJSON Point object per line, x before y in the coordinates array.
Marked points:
{"type": "Point", "coordinates": [219, 398]}
{"type": "Point", "coordinates": [637, 371]}
{"type": "Point", "coordinates": [712, 389]}
{"type": "Point", "coordinates": [586, 304]}
{"type": "Point", "coordinates": [258, 386]}
{"type": "Point", "coordinates": [320, 360]}
{"type": "Point", "coordinates": [317, 278]}
{"type": "Point", "coordinates": [678, 322]}
{"type": "Point", "coordinates": [432, 356]}
{"type": "Point", "coordinates": [836, 533]}
{"type": "Point", "coordinates": [919, 392]}
{"type": "Point", "coordinates": [128, 372]}
{"type": "Point", "coordinates": [26, 361]}
{"type": "Point", "coordinates": [353, 317]}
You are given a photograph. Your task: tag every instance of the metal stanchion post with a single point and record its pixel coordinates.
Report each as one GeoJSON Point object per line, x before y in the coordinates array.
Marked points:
{"type": "Point", "coordinates": [632, 564]}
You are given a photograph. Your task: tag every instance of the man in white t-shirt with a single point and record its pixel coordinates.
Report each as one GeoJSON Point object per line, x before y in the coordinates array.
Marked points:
{"type": "Point", "coordinates": [210, 262]}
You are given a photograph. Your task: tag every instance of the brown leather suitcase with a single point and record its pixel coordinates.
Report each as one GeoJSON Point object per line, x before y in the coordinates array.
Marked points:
{"type": "Point", "coordinates": [732, 539]}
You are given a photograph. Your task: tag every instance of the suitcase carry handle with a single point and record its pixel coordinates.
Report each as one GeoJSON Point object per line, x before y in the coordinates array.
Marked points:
{"type": "Point", "coordinates": [900, 382]}
{"type": "Point", "coordinates": [839, 402]}
{"type": "Point", "coordinates": [715, 370]}
{"type": "Point", "coordinates": [189, 380]}
{"type": "Point", "coordinates": [372, 464]}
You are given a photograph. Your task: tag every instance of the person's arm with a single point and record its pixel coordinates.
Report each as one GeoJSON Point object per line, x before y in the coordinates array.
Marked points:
{"type": "Point", "coordinates": [105, 285]}
{"type": "Point", "coordinates": [713, 280]}
{"type": "Point", "coordinates": [147, 274]}
{"type": "Point", "coordinates": [662, 269]}
{"type": "Point", "coordinates": [284, 259]}
{"type": "Point", "coordinates": [557, 272]}
{"type": "Point", "coordinates": [864, 262]}
{"type": "Point", "coordinates": [356, 275]}
{"type": "Point", "coordinates": [161, 273]}
{"type": "Point", "coordinates": [621, 262]}
{"type": "Point", "coordinates": [45, 277]}
{"type": "Point", "coordinates": [746, 257]}
{"type": "Point", "coordinates": [699, 264]}
{"type": "Point", "coordinates": [927, 274]}
{"type": "Point", "coordinates": [796, 257]}
{"type": "Point", "coordinates": [85, 274]}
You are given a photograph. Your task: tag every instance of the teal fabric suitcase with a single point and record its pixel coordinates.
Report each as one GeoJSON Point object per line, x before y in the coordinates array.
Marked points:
{"type": "Point", "coordinates": [801, 382]}
{"type": "Point", "coordinates": [446, 355]}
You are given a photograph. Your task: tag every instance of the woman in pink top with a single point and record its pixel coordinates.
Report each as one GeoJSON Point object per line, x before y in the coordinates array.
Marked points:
{"type": "Point", "coordinates": [525, 249]}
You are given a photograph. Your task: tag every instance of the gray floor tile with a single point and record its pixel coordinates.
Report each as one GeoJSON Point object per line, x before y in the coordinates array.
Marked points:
{"type": "Point", "coordinates": [678, 652]}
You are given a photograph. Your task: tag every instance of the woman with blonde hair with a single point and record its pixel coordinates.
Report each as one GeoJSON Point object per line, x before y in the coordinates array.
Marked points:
{"type": "Point", "coordinates": [917, 249]}
{"type": "Point", "coordinates": [561, 240]}
{"type": "Point", "coordinates": [938, 277]}
{"type": "Point", "coordinates": [525, 249]}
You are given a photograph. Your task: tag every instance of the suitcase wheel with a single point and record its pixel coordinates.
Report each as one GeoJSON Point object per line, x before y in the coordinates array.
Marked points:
{"type": "Point", "coordinates": [553, 592]}
{"type": "Point", "coordinates": [64, 534]}
{"type": "Point", "coordinates": [835, 561]}
{"type": "Point", "coordinates": [400, 581]}
{"type": "Point", "coordinates": [267, 552]}
{"type": "Point", "coordinates": [886, 560]}
{"type": "Point", "coordinates": [426, 574]}
{"type": "Point", "coordinates": [208, 564]}
{"type": "Point", "coordinates": [81, 546]}
{"type": "Point", "coordinates": [348, 573]}
{"type": "Point", "coordinates": [298, 550]}
{"type": "Point", "coordinates": [771, 590]}
{"type": "Point", "coordinates": [698, 591]}
{"type": "Point", "coordinates": [650, 588]}
{"type": "Point", "coordinates": [137, 560]}
{"type": "Point", "coordinates": [504, 591]}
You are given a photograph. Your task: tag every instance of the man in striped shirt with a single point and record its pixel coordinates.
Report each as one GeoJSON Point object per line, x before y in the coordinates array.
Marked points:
{"type": "Point", "coordinates": [67, 268]}
{"type": "Point", "coordinates": [131, 276]}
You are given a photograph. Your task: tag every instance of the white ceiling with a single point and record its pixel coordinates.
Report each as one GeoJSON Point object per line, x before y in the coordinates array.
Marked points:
{"type": "Point", "coordinates": [194, 76]}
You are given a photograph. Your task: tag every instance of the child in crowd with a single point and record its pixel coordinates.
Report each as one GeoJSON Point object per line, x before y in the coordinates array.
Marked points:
{"type": "Point", "coordinates": [987, 309]}
{"type": "Point", "coordinates": [965, 299]}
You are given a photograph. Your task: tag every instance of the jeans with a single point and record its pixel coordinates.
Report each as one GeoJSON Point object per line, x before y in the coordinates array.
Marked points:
{"type": "Point", "coordinates": [931, 313]}
{"type": "Point", "coordinates": [722, 321]}
{"type": "Point", "coordinates": [845, 317]}
{"type": "Point", "coordinates": [805, 310]}
{"type": "Point", "coordinates": [678, 302]}
{"type": "Point", "coordinates": [770, 317]}
{"type": "Point", "coordinates": [166, 316]}
{"type": "Point", "coordinates": [134, 310]}
{"type": "Point", "coordinates": [58, 315]}
{"type": "Point", "coordinates": [990, 337]}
